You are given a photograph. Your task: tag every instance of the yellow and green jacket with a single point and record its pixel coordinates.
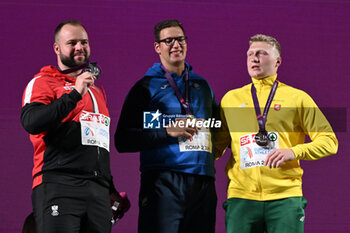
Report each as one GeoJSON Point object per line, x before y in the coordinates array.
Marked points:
{"type": "Point", "coordinates": [293, 114]}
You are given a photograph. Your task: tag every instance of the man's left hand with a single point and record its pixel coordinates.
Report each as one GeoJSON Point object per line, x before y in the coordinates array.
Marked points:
{"type": "Point", "coordinates": [277, 157]}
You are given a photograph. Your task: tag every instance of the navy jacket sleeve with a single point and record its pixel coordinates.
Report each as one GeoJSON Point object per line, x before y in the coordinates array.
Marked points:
{"type": "Point", "coordinates": [130, 135]}
{"type": "Point", "coordinates": [37, 117]}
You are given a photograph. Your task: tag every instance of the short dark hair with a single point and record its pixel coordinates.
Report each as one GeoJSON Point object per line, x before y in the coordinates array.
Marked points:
{"type": "Point", "coordinates": [70, 22]}
{"type": "Point", "coordinates": [166, 24]}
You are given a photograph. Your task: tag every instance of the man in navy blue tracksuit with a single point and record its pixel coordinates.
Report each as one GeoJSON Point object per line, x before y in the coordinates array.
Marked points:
{"type": "Point", "coordinates": [159, 119]}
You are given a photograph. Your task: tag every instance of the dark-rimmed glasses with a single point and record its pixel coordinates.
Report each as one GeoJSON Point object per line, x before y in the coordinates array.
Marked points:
{"type": "Point", "coordinates": [171, 40]}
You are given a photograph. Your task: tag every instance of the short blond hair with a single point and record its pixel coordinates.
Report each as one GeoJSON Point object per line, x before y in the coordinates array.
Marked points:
{"type": "Point", "coordinates": [268, 39]}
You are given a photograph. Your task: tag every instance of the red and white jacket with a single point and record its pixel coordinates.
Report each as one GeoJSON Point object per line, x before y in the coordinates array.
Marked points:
{"type": "Point", "coordinates": [50, 113]}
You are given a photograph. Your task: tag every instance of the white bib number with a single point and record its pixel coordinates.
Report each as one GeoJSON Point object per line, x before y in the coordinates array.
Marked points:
{"type": "Point", "coordinates": [252, 155]}
{"type": "Point", "coordinates": [95, 129]}
{"type": "Point", "coordinates": [200, 142]}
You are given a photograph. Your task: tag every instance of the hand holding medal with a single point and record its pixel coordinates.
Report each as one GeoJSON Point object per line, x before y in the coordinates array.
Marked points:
{"type": "Point", "coordinates": [90, 72]}
{"type": "Point", "coordinates": [181, 129]}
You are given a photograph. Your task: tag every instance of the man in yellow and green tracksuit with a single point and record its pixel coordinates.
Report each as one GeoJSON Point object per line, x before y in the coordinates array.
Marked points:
{"type": "Point", "coordinates": [265, 123]}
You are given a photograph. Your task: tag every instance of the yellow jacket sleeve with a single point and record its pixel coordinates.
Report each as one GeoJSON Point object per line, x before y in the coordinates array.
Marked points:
{"type": "Point", "coordinates": [315, 124]}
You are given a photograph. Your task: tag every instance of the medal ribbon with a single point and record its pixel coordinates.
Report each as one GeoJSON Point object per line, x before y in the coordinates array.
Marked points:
{"type": "Point", "coordinates": [183, 101]}
{"type": "Point", "coordinates": [263, 118]}
{"type": "Point", "coordinates": [75, 68]}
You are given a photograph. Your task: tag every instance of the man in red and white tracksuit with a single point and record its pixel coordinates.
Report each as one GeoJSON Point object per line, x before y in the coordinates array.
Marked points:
{"type": "Point", "coordinates": [68, 121]}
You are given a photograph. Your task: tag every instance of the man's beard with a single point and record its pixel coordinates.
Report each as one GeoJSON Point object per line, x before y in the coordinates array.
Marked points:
{"type": "Point", "coordinates": [70, 62]}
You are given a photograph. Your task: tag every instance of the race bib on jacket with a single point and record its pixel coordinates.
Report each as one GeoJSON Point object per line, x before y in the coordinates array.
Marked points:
{"type": "Point", "coordinates": [253, 155]}
{"type": "Point", "coordinates": [200, 142]}
{"type": "Point", "coordinates": [95, 129]}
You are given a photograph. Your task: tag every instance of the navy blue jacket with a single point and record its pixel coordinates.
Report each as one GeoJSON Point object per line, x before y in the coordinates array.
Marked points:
{"type": "Point", "coordinates": [158, 151]}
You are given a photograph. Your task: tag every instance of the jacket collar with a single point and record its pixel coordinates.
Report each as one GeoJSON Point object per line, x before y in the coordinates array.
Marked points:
{"type": "Point", "coordinates": [54, 72]}
{"type": "Point", "coordinates": [265, 81]}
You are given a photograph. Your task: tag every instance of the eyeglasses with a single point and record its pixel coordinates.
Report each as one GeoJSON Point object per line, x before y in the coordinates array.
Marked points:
{"type": "Point", "coordinates": [171, 40]}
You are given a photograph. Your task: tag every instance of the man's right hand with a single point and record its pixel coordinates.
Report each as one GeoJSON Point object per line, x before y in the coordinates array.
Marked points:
{"type": "Point", "coordinates": [176, 131]}
{"type": "Point", "coordinates": [83, 82]}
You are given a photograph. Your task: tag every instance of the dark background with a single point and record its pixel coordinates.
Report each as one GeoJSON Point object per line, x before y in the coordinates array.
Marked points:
{"type": "Point", "coordinates": [314, 35]}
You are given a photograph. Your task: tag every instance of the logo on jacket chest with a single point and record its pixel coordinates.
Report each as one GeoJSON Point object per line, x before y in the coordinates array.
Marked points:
{"type": "Point", "coordinates": [164, 86]}
{"type": "Point", "coordinates": [68, 86]}
{"type": "Point", "coordinates": [196, 85]}
{"type": "Point", "coordinates": [277, 107]}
